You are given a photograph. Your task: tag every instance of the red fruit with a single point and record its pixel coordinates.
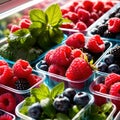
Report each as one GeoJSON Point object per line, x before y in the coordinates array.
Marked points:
{"type": "Point", "coordinates": [64, 11]}
{"type": "Point", "coordinates": [7, 102]}
{"type": "Point", "coordinates": [109, 2]}
{"type": "Point", "coordinates": [83, 15]}
{"type": "Point", "coordinates": [106, 8]}
{"type": "Point", "coordinates": [90, 22]}
{"type": "Point", "coordinates": [76, 40]}
{"type": "Point", "coordinates": [61, 55]}
{"type": "Point", "coordinates": [33, 79]}
{"type": "Point", "coordinates": [6, 117]}
{"type": "Point", "coordinates": [25, 23]}
{"type": "Point", "coordinates": [48, 57]}
{"type": "Point", "coordinates": [3, 62]}
{"type": "Point", "coordinates": [6, 74]}
{"type": "Point", "coordinates": [99, 5]}
{"type": "Point", "coordinates": [87, 5]}
{"type": "Point", "coordinates": [111, 79]}
{"type": "Point", "coordinates": [78, 70]}
{"type": "Point", "coordinates": [22, 68]}
{"type": "Point", "coordinates": [114, 24]}
{"type": "Point", "coordinates": [81, 26]}
{"type": "Point", "coordinates": [14, 28]}
{"type": "Point", "coordinates": [94, 15]}
{"type": "Point", "coordinates": [95, 44]}
{"type": "Point", "coordinates": [68, 25]}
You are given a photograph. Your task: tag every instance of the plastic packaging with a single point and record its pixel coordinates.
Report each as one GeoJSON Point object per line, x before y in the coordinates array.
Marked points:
{"type": "Point", "coordinates": [117, 117]}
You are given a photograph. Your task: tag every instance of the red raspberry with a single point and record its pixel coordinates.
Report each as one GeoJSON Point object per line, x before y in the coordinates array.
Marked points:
{"type": "Point", "coordinates": [61, 55]}
{"type": "Point", "coordinates": [14, 28]}
{"type": "Point", "coordinates": [95, 44]}
{"type": "Point", "coordinates": [3, 62]}
{"type": "Point", "coordinates": [106, 8]}
{"type": "Point", "coordinates": [111, 79]}
{"type": "Point", "coordinates": [83, 15]}
{"type": "Point", "coordinates": [109, 2]}
{"type": "Point", "coordinates": [99, 5]}
{"type": "Point", "coordinates": [64, 11]}
{"type": "Point", "coordinates": [6, 74]}
{"type": "Point", "coordinates": [6, 117]}
{"type": "Point", "coordinates": [22, 68]}
{"type": "Point", "coordinates": [81, 26]}
{"type": "Point", "coordinates": [114, 24]}
{"type": "Point", "coordinates": [48, 57]}
{"type": "Point", "coordinates": [68, 25]}
{"type": "Point", "coordinates": [90, 22]}
{"type": "Point", "coordinates": [7, 102]}
{"type": "Point", "coordinates": [76, 40]}
{"type": "Point", "coordinates": [33, 79]}
{"type": "Point", "coordinates": [94, 15]}
{"type": "Point", "coordinates": [57, 69]}
{"type": "Point", "coordinates": [79, 70]}
{"type": "Point", "coordinates": [24, 23]}
{"type": "Point", "coordinates": [87, 5]}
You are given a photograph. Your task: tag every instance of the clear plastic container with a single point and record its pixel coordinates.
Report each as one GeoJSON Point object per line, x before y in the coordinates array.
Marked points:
{"type": "Point", "coordinates": [117, 117]}
{"type": "Point", "coordinates": [20, 95]}
{"type": "Point", "coordinates": [102, 20]}
{"type": "Point", "coordinates": [25, 117]}
{"type": "Point", "coordinates": [5, 112]}
{"type": "Point", "coordinates": [53, 79]}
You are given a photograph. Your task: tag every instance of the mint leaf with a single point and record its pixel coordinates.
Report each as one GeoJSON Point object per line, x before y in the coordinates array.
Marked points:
{"type": "Point", "coordinates": [106, 107]}
{"type": "Point", "coordinates": [54, 14]}
{"type": "Point", "coordinates": [58, 89]}
{"type": "Point", "coordinates": [37, 15]}
{"type": "Point", "coordinates": [41, 93]}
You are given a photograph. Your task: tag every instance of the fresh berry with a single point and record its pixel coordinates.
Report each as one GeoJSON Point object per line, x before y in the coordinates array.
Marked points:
{"type": "Point", "coordinates": [115, 51]}
{"type": "Point", "coordinates": [3, 62]}
{"type": "Point", "coordinates": [43, 65]}
{"type": "Point", "coordinates": [111, 79]}
{"type": "Point", "coordinates": [81, 26]}
{"type": "Point", "coordinates": [102, 66]}
{"type": "Point", "coordinates": [99, 5]}
{"type": "Point", "coordinates": [68, 25]}
{"type": "Point", "coordinates": [113, 68]}
{"type": "Point", "coordinates": [76, 40]}
{"type": "Point", "coordinates": [6, 117]}
{"type": "Point", "coordinates": [95, 44]}
{"type": "Point", "coordinates": [61, 55]}
{"type": "Point", "coordinates": [35, 111]}
{"type": "Point", "coordinates": [114, 25]}
{"type": "Point", "coordinates": [108, 59]}
{"type": "Point", "coordinates": [14, 28]}
{"type": "Point", "coordinates": [22, 68]}
{"type": "Point", "coordinates": [94, 15]}
{"type": "Point", "coordinates": [24, 23]}
{"type": "Point", "coordinates": [79, 70]}
{"type": "Point", "coordinates": [87, 5]}
{"type": "Point", "coordinates": [22, 84]}
{"type": "Point", "coordinates": [6, 74]}
{"type": "Point", "coordinates": [61, 103]}
{"type": "Point", "coordinates": [81, 98]}
{"type": "Point", "coordinates": [7, 102]}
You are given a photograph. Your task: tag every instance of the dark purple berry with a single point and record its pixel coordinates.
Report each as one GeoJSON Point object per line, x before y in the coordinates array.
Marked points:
{"type": "Point", "coordinates": [35, 110]}
{"type": "Point", "coordinates": [81, 98]}
{"type": "Point", "coordinates": [43, 65]}
{"type": "Point", "coordinates": [108, 59]}
{"type": "Point", "coordinates": [113, 68]}
{"type": "Point", "coordinates": [102, 66]}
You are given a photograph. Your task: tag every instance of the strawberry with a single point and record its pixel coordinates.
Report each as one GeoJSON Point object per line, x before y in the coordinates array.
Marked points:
{"type": "Point", "coordinates": [95, 44]}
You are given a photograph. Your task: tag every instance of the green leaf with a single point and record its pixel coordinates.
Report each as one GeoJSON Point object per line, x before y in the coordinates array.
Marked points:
{"type": "Point", "coordinates": [41, 93]}
{"type": "Point", "coordinates": [58, 89]}
{"type": "Point", "coordinates": [54, 14]}
{"type": "Point", "coordinates": [61, 116]}
{"type": "Point", "coordinates": [106, 107]}
{"type": "Point", "coordinates": [37, 15]}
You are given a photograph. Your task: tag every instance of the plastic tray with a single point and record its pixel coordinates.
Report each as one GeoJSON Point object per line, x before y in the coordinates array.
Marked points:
{"type": "Point", "coordinates": [103, 19]}
{"type": "Point", "coordinates": [24, 117]}
{"type": "Point", "coordinates": [117, 117]}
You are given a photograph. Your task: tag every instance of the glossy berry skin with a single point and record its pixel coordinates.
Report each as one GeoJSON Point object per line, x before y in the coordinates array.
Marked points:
{"type": "Point", "coordinates": [61, 103]}
{"type": "Point", "coordinates": [70, 93]}
{"type": "Point", "coordinates": [113, 68]}
{"type": "Point", "coordinates": [43, 65]}
{"type": "Point", "coordinates": [81, 98]}
{"type": "Point", "coordinates": [25, 23]}
{"type": "Point", "coordinates": [35, 110]}
{"type": "Point", "coordinates": [109, 59]}
{"type": "Point", "coordinates": [102, 66]}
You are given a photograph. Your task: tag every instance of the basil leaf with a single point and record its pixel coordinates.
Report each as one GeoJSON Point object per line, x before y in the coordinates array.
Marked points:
{"type": "Point", "coordinates": [54, 14]}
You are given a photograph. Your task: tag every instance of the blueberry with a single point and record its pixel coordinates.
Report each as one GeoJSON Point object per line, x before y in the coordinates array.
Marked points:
{"type": "Point", "coordinates": [102, 66]}
{"type": "Point", "coordinates": [113, 68]}
{"type": "Point", "coordinates": [90, 57]}
{"type": "Point", "coordinates": [35, 110]}
{"type": "Point", "coordinates": [108, 59]}
{"type": "Point", "coordinates": [43, 65]}
{"type": "Point", "coordinates": [81, 98]}
{"type": "Point", "coordinates": [61, 103]}
{"type": "Point", "coordinates": [70, 93]}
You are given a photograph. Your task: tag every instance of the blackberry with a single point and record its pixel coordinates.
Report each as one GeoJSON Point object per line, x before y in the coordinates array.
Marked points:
{"type": "Point", "coordinates": [108, 34]}
{"type": "Point", "coordinates": [115, 51]}
{"type": "Point", "coordinates": [22, 84]}
{"type": "Point", "coordinates": [102, 28]}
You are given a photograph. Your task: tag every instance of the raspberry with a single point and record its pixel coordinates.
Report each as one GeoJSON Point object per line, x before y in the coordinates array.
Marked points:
{"type": "Point", "coordinates": [6, 74]}
{"type": "Point", "coordinates": [81, 26]}
{"type": "Point", "coordinates": [111, 79]}
{"type": "Point", "coordinates": [3, 62]}
{"type": "Point", "coordinates": [7, 102]}
{"type": "Point", "coordinates": [64, 11]}
{"type": "Point", "coordinates": [87, 5]}
{"type": "Point", "coordinates": [78, 70]}
{"type": "Point", "coordinates": [68, 25]}
{"type": "Point", "coordinates": [95, 44]}
{"type": "Point", "coordinates": [57, 69]}
{"type": "Point", "coordinates": [83, 15]}
{"type": "Point", "coordinates": [33, 79]}
{"type": "Point", "coordinates": [114, 25]}
{"type": "Point", "coordinates": [61, 55]}
{"type": "Point", "coordinates": [22, 68]}
{"type": "Point", "coordinates": [14, 28]}
{"type": "Point", "coordinates": [25, 23]}
{"type": "Point", "coordinates": [106, 8]}
{"type": "Point", "coordinates": [76, 40]}
{"type": "Point", "coordinates": [94, 15]}
{"type": "Point", "coordinates": [99, 5]}
{"type": "Point", "coordinates": [6, 117]}
{"type": "Point", "coordinates": [48, 57]}
{"type": "Point", "coordinates": [90, 22]}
